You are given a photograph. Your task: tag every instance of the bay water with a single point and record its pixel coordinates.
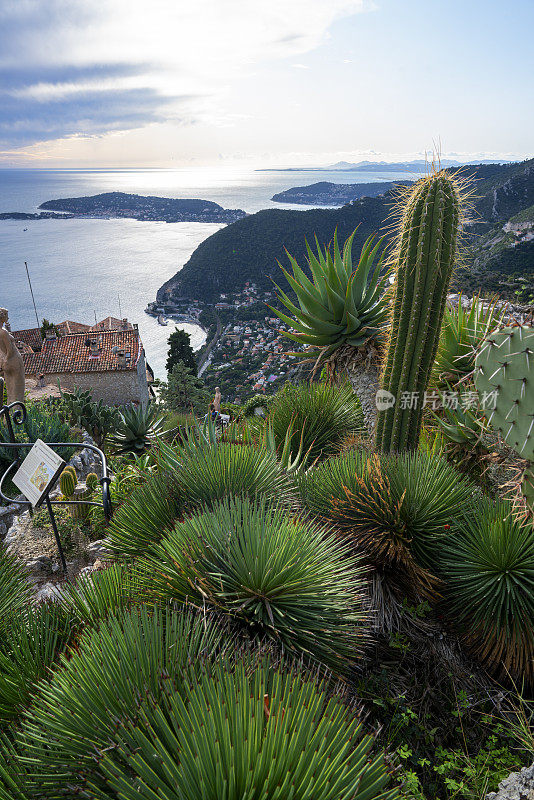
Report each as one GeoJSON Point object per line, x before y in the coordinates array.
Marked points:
{"type": "Point", "coordinates": [82, 269]}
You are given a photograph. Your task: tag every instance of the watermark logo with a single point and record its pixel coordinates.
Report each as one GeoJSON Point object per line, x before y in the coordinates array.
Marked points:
{"type": "Point", "coordinates": [384, 400]}
{"type": "Point", "coordinates": [437, 400]}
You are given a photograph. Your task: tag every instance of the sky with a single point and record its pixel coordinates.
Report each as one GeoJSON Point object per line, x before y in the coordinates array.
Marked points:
{"type": "Point", "coordinates": [186, 83]}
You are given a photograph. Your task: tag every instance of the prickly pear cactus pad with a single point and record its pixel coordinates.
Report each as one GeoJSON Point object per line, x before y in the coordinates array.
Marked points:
{"type": "Point", "coordinates": [504, 378]}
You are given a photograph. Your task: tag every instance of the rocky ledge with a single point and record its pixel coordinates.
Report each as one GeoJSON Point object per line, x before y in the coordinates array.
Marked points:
{"type": "Point", "coordinates": [517, 786]}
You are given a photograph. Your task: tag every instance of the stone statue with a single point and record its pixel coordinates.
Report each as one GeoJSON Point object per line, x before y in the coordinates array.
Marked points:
{"type": "Point", "coordinates": [11, 363]}
{"type": "Point", "coordinates": [217, 400]}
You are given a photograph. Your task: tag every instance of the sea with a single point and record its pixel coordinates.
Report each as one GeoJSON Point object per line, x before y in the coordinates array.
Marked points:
{"type": "Point", "coordinates": [87, 269]}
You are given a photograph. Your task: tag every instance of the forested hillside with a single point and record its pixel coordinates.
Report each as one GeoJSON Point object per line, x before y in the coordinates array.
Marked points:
{"type": "Point", "coordinates": [250, 249]}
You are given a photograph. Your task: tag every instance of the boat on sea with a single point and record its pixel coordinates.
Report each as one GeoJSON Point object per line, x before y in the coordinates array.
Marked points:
{"type": "Point", "coordinates": [162, 320]}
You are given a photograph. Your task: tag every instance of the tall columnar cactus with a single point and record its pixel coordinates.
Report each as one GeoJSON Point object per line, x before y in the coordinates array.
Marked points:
{"type": "Point", "coordinates": [430, 215]}
{"type": "Point", "coordinates": [504, 378]}
{"type": "Point", "coordinates": [67, 483]}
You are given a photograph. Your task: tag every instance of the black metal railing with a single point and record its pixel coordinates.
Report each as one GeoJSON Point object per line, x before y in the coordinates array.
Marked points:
{"type": "Point", "coordinates": [13, 416]}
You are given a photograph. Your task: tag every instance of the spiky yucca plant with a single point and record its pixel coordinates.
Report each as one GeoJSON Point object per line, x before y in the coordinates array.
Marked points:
{"type": "Point", "coordinates": [209, 474]}
{"type": "Point", "coordinates": [259, 734]}
{"type": "Point", "coordinates": [131, 661]}
{"type": "Point", "coordinates": [489, 576]}
{"type": "Point", "coordinates": [462, 431]}
{"type": "Point", "coordinates": [393, 508]}
{"type": "Point", "coordinates": [204, 472]}
{"type": "Point", "coordinates": [462, 332]}
{"type": "Point", "coordinates": [143, 518]}
{"type": "Point", "coordinates": [13, 776]}
{"type": "Point", "coordinates": [341, 314]}
{"type": "Point", "coordinates": [15, 590]}
{"type": "Point", "coordinates": [281, 577]}
{"type": "Point", "coordinates": [104, 592]}
{"type": "Point", "coordinates": [30, 642]}
{"type": "Point", "coordinates": [321, 417]}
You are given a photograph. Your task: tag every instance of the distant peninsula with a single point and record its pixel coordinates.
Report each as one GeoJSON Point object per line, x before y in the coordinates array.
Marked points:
{"type": "Point", "coordinates": [136, 206]}
{"type": "Point", "coordinates": [22, 215]}
{"type": "Point", "coordinates": [335, 194]}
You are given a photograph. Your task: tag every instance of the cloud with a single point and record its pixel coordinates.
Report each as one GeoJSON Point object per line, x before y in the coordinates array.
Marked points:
{"type": "Point", "coordinates": [71, 67]}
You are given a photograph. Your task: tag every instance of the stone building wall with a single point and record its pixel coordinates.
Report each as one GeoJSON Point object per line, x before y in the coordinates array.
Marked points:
{"type": "Point", "coordinates": [114, 388]}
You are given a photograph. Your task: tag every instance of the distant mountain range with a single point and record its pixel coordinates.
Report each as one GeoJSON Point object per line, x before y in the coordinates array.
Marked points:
{"type": "Point", "coordinates": [250, 249]}
{"type": "Point", "coordinates": [418, 166]}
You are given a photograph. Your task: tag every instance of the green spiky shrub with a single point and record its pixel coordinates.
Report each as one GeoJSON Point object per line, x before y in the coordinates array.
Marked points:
{"type": "Point", "coordinates": [488, 568]}
{"type": "Point", "coordinates": [279, 576]}
{"type": "Point", "coordinates": [138, 429]}
{"type": "Point", "coordinates": [209, 474]}
{"type": "Point", "coordinates": [204, 473]}
{"type": "Point", "coordinates": [142, 519]}
{"type": "Point", "coordinates": [429, 220]}
{"type": "Point", "coordinates": [257, 733]}
{"type": "Point", "coordinates": [67, 483]}
{"type": "Point", "coordinates": [343, 304]}
{"type": "Point", "coordinates": [31, 640]}
{"type": "Point", "coordinates": [321, 417]}
{"type": "Point", "coordinates": [42, 422]}
{"type": "Point", "coordinates": [463, 434]}
{"type": "Point", "coordinates": [462, 332]}
{"type": "Point", "coordinates": [504, 378]}
{"type": "Point", "coordinates": [13, 776]}
{"type": "Point", "coordinates": [95, 596]}
{"type": "Point", "coordinates": [393, 508]}
{"type": "Point", "coordinates": [130, 662]}
{"type": "Point", "coordinates": [15, 591]}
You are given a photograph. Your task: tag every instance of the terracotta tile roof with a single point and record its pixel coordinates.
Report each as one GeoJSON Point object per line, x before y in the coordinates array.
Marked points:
{"type": "Point", "coordinates": [31, 337]}
{"type": "Point", "coordinates": [112, 324]}
{"type": "Point", "coordinates": [68, 326]}
{"type": "Point", "coordinates": [73, 353]}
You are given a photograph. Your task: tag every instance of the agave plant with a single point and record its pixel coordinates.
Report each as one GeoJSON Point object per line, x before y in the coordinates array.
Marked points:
{"type": "Point", "coordinates": [280, 577]}
{"type": "Point", "coordinates": [341, 305]}
{"type": "Point", "coordinates": [489, 571]}
{"type": "Point", "coordinates": [394, 508]}
{"type": "Point", "coordinates": [462, 333]}
{"type": "Point", "coordinates": [319, 415]}
{"type": "Point", "coordinates": [238, 733]}
{"type": "Point", "coordinates": [31, 641]}
{"type": "Point", "coordinates": [131, 661]}
{"type": "Point", "coordinates": [137, 430]}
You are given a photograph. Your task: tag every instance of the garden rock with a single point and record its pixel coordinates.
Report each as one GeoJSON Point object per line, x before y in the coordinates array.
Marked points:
{"type": "Point", "coordinates": [48, 592]}
{"type": "Point", "coordinates": [96, 549]}
{"type": "Point", "coordinates": [517, 786]}
{"type": "Point", "coordinates": [77, 463]}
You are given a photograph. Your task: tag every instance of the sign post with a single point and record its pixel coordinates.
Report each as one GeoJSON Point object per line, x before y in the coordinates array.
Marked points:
{"type": "Point", "coordinates": [36, 477]}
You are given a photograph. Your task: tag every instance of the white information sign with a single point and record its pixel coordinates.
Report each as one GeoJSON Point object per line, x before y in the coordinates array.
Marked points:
{"type": "Point", "coordinates": [37, 473]}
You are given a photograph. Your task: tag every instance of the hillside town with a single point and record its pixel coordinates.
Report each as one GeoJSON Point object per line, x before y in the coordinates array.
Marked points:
{"type": "Point", "coordinates": [248, 353]}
